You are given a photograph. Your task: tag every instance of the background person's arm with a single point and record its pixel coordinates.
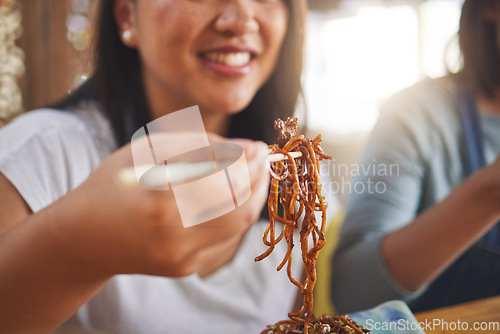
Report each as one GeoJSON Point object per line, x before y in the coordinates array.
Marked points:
{"type": "Point", "coordinates": [419, 252]}
{"type": "Point", "coordinates": [395, 241]}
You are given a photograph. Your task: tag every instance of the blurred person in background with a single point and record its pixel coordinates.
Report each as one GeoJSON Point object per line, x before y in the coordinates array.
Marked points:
{"type": "Point", "coordinates": [431, 236]}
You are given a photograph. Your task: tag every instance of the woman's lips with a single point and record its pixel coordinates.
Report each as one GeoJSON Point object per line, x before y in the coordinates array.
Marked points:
{"type": "Point", "coordinates": [228, 63]}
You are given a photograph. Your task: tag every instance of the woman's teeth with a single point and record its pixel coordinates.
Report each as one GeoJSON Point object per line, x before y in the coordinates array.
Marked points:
{"type": "Point", "coordinates": [229, 59]}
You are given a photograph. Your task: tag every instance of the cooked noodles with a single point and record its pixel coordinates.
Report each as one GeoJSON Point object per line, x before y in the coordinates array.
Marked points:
{"type": "Point", "coordinates": [295, 193]}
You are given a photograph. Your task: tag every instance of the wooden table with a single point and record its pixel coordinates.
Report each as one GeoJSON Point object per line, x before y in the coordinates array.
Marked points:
{"type": "Point", "coordinates": [485, 312]}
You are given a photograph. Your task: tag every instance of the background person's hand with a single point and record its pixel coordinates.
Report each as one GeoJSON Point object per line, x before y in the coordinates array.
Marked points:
{"type": "Point", "coordinates": [487, 180]}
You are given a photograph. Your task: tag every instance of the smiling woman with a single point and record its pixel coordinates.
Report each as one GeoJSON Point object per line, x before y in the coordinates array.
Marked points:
{"type": "Point", "coordinates": [80, 236]}
{"type": "Point", "coordinates": [166, 46]}
{"type": "Point", "coordinates": [193, 50]}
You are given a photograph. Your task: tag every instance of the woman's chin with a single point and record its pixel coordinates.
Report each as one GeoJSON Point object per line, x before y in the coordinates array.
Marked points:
{"type": "Point", "coordinates": [228, 107]}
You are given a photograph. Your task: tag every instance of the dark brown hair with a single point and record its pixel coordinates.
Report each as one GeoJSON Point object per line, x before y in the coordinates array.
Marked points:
{"type": "Point", "coordinates": [117, 82]}
{"type": "Point", "coordinates": [479, 45]}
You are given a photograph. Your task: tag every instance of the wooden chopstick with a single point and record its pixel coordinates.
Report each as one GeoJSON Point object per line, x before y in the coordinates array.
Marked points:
{"type": "Point", "coordinates": [279, 156]}
{"type": "Point", "coordinates": [128, 176]}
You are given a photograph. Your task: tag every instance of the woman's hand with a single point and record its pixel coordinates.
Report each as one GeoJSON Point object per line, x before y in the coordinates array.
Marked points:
{"type": "Point", "coordinates": [111, 229]}
{"type": "Point", "coordinates": [55, 260]}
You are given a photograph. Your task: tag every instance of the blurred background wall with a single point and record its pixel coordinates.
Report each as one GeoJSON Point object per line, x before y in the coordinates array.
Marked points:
{"type": "Point", "coordinates": [50, 51]}
{"type": "Point", "coordinates": [359, 53]}
{"type": "Point", "coordinates": [54, 55]}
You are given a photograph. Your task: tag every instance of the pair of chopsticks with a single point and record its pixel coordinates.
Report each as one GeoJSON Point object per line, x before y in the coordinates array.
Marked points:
{"type": "Point", "coordinates": [161, 174]}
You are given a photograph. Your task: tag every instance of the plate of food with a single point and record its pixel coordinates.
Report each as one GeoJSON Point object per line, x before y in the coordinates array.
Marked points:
{"type": "Point", "coordinates": [393, 317]}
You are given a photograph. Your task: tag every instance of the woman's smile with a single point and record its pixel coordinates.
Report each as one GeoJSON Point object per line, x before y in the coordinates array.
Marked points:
{"type": "Point", "coordinates": [215, 54]}
{"type": "Point", "coordinates": [229, 61]}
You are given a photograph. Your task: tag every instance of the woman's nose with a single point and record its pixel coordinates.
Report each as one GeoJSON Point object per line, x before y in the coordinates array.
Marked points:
{"type": "Point", "coordinates": [237, 17]}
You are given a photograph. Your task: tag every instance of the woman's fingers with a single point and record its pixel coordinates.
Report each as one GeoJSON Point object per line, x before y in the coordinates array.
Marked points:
{"type": "Point", "coordinates": [136, 230]}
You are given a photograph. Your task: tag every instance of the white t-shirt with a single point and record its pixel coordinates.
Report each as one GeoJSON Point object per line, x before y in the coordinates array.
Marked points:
{"type": "Point", "coordinates": [47, 153]}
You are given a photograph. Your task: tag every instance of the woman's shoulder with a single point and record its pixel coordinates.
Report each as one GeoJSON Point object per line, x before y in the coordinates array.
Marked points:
{"type": "Point", "coordinates": [45, 153]}
{"type": "Point", "coordinates": [84, 116]}
{"type": "Point", "coordinates": [39, 120]}
{"type": "Point", "coordinates": [84, 121]}
{"type": "Point", "coordinates": [428, 104]}
{"type": "Point", "coordinates": [425, 93]}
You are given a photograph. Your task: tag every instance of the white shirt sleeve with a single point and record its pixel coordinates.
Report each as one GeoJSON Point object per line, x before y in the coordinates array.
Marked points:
{"type": "Point", "coordinates": [46, 153]}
